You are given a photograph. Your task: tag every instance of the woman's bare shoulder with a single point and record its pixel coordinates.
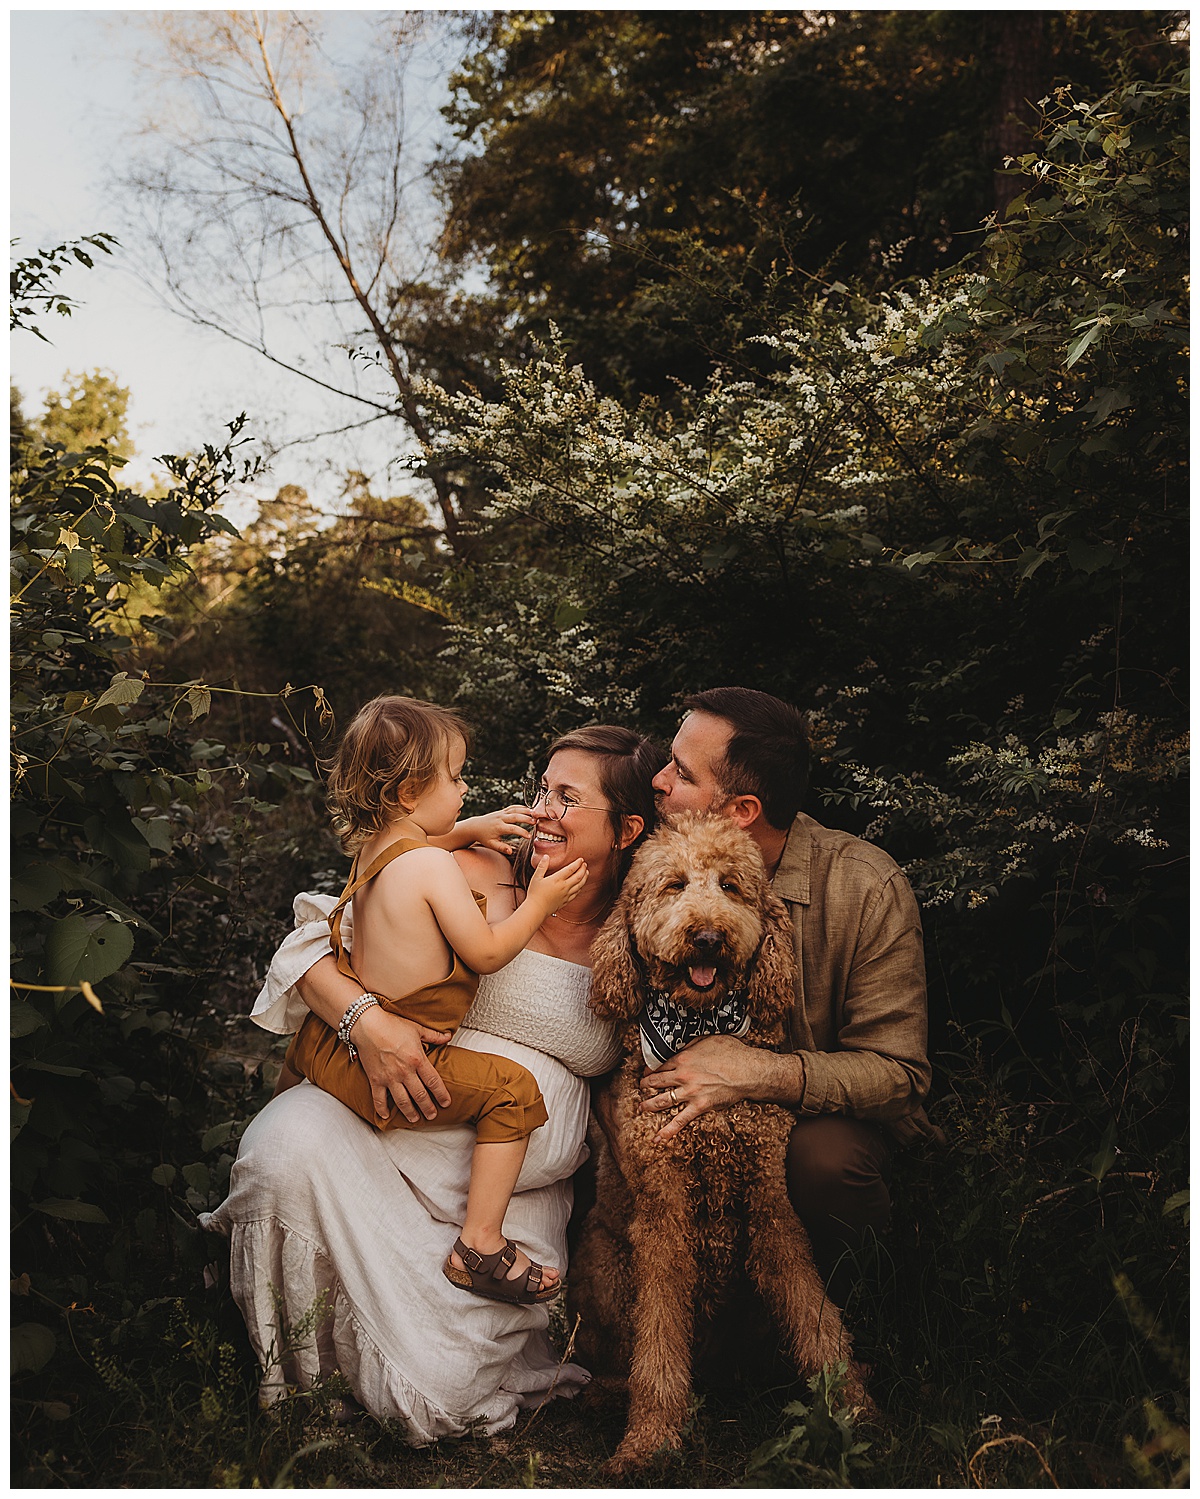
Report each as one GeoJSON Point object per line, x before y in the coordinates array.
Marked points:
{"type": "Point", "coordinates": [484, 868]}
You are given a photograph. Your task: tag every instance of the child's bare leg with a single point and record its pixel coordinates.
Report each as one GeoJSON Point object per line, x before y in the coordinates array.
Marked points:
{"type": "Point", "coordinates": [495, 1166]}
{"type": "Point", "coordinates": [288, 1078]}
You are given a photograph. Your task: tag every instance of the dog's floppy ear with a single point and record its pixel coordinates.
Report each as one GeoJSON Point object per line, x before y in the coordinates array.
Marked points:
{"type": "Point", "coordinates": [772, 981]}
{"type": "Point", "coordinates": [616, 982]}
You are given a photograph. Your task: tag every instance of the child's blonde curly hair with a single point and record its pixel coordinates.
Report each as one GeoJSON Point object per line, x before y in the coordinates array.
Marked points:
{"type": "Point", "coordinates": [392, 751]}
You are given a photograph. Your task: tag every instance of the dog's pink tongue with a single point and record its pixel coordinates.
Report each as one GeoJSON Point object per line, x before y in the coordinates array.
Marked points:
{"type": "Point", "coordinates": [702, 978]}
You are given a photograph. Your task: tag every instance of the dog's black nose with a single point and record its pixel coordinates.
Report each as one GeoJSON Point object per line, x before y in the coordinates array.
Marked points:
{"type": "Point", "coordinates": [707, 941]}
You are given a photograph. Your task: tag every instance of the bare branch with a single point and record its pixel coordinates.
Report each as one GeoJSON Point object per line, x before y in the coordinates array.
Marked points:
{"type": "Point", "coordinates": [278, 173]}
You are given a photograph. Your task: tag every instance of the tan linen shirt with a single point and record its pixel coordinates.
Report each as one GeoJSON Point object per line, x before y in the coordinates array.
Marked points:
{"type": "Point", "coordinates": [860, 1021]}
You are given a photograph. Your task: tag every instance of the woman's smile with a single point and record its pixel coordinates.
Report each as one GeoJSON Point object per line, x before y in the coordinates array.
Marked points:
{"type": "Point", "coordinates": [544, 839]}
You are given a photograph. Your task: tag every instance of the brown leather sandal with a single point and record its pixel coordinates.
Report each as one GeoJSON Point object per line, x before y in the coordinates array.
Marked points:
{"type": "Point", "coordinates": [487, 1275]}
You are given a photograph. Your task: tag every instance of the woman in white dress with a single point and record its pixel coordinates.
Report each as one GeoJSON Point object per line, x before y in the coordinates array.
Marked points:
{"type": "Point", "coordinates": [339, 1232]}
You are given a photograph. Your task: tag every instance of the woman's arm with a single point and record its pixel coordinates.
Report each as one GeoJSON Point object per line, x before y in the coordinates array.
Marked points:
{"type": "Point", "coordinates": [389, 1047]}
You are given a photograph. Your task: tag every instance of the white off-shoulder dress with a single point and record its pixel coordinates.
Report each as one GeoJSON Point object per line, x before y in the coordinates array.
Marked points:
{"type": "Point", "coordinates": [338, 1232]}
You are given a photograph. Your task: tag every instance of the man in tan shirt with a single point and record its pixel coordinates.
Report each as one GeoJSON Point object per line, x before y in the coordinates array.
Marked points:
{"type": "Point", "coordinates": [857, 1071]}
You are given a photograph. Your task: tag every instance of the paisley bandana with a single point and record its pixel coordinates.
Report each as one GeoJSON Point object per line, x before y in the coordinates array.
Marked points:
{"type": "Point", "coordinates": [667, 1027]}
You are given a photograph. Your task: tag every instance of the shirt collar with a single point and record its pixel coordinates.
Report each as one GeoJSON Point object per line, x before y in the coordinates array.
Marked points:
{"type": "Point", "coordinates": [791, 880]}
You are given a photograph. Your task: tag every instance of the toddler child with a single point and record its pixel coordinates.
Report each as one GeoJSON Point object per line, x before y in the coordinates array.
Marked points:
{"type": "Point", "coordinates": [395, 782]}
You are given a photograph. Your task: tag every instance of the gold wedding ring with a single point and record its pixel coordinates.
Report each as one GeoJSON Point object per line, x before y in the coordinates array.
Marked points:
{"type": "Point", "coordinates": [672, 1097]}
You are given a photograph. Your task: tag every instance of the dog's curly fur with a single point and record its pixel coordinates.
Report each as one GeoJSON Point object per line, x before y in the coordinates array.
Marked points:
{"type": "Point", "coordinates": [664, 1234]}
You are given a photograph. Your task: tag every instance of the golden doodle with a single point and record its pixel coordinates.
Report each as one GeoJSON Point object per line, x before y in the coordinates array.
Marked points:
{"type": "Point", "coordinates": [697, 945]}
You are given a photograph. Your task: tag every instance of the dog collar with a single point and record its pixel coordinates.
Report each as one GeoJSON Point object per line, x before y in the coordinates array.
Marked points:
{"type": "Point", "coordinates": [666, 1028]}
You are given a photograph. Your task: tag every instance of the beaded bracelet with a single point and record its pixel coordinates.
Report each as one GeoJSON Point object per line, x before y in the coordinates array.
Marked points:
{"type": "Point", "coordinates": [362, 1003]}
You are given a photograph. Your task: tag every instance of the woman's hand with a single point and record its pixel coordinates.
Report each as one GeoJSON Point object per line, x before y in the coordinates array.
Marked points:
{"type": "Point", "coordinates": [491, 829]}
{"type": "Point", "coordinates": [392, 1054]}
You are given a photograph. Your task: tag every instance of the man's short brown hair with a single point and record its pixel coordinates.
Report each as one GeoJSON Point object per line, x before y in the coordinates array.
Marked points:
{"type": "Point", "coordinates": [393, 750]}
{"type": "Point", "coordinates": [768, 754]}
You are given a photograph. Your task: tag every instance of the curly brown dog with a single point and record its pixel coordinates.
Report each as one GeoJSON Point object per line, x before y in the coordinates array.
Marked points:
{"type": "Point", "coordinates": [697, 939]}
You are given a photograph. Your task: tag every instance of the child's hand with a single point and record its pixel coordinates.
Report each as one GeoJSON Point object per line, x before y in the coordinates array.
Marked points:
{"type": "Point", "coordinates": [493, 828]}
{"type": "Point", "coordinates": [553, 891]}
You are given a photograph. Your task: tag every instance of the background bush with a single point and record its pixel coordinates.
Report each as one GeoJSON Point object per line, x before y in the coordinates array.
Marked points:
{"type": "Point", "coordinates": [933, 493]}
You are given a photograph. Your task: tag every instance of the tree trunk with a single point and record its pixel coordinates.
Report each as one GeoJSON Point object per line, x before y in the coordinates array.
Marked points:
{"type": "Point", "coordinates": [1019, 37]}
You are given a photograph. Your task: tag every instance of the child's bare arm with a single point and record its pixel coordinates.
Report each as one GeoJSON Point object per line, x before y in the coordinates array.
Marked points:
{"type": "Point", "coordinates": [491, 829]}
{"type": "Point", "coordinates": [485, 948]}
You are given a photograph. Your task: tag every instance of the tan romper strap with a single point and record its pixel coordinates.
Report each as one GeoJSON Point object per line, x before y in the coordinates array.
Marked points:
{"type": "Point", "coordinates": [355, 883]}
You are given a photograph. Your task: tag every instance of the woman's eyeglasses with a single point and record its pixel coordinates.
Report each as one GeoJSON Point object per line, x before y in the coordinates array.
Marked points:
{"type": "Point", "coordinates": [557, 804]}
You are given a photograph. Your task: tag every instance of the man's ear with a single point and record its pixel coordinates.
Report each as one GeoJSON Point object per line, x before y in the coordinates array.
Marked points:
{"type": "Point", "coordinates": [745, 811]}
{"type": "Point", "coordinates": [632, 827]}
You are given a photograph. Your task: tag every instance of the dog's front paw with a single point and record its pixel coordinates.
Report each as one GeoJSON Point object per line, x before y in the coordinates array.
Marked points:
{"type": "Point", "coordinates": [639, 1451]}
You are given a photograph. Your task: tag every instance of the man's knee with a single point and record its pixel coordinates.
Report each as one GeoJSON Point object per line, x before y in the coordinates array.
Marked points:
{"type": "Point", "coordinates": [835, 1178]}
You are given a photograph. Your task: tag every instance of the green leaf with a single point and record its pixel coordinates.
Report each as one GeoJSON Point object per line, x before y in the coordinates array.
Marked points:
{"type": "Point", "coordinates": [163, 1176]}
{"type": "Point", "coordinates": [1178, 1201]}
{"type": "Point", "coordinates": [124, 689]}
{"type": "Point", "coordinates": [1083, 343]}
{"type": "Point", "coordinates": [1105, 1157]}
{"type": "Point", "coordinates": [71, 1209]}
{"type": "Point", "coordinates": [1107, 400]}
{"type": "Point", "coordinates": [1030, 560]}
{"type": "Point", "coordinates": [220, 1134]}
{"type": "Point", "coordinates": [198, 700]}
{"type": "Point", "coordinates": [23, 1019]}
{"type": "Point", "coordinates": [31, 1347]}
{"type": "Point", "coordinates": [1064, 716]}
{"type": "Point", "coordinates": [1058, 452]}
{"type": "Point", "coordinates": [210, 887]}
{"type": "Point", "coordinates": [156, 831]}
{"type": "Point", "coordinates": [197, 1175]}
{"type": "Point", "coordinates": [117, 1090]}
{"type": "Point", "coordinates": [567, 615]}
{"type": "Point", "coordinates": [18, 1117]}
{"type": "Point", "coordinates": [79, 565]}
{"type": "Point", "coordinates": [1085, 557]}
{"type": "Point", "coordinates": [76, 951]}
{"type": "Point", "coordinates": [73, 879]}
{"type": "Point", "coordinates": [35, 887]}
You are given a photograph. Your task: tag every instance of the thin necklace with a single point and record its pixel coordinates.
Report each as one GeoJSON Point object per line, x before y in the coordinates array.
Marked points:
{"type": "Point", "coordinates": [591, 921]}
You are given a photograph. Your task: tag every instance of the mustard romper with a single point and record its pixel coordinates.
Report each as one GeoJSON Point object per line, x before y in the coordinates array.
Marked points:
{"type": "Point", "coordinates": [499, 1097]}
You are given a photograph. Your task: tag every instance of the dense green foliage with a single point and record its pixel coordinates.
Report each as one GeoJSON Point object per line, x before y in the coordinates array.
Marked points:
{"type": "Point", "coordinates": [91, 412]}
{"type": "Point", "coordinates": [345, 603]}
{"type": "Point", "coordinates": [949, 518]}
{"type": "Point", "coordinates": [121, 906]}
{"type": "Point", "coordinates": [943, 511]}
{"type": "Point", "coordinates": [600, 146]}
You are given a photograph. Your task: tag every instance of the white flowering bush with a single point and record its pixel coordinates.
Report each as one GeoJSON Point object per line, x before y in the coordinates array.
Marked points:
{"type": "Point", "coordinates": [946, 520]}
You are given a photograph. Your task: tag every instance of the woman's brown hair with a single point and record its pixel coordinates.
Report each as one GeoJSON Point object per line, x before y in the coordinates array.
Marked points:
{"type": "Point", "coordinates": [626, 764]}
{"type": "Point", "coordinates": [393, 749]}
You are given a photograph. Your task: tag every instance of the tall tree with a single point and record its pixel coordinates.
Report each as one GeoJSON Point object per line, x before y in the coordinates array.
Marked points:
{"type": "Point", "coordinates": [600, 146]}
{"type": "Point", "coordinates": [91, 410]}
{"type": "Point", "coordinates": [283, 189]}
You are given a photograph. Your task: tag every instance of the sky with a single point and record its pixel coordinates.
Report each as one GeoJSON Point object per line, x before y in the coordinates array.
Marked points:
{"type": "Point", "coordinates": [76, 96]}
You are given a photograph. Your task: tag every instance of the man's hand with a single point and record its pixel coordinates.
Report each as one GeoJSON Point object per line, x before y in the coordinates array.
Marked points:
{"type": "Point", "coordinates": [716, 1072]}
{"type": "Point", "coordinates": [391, 1053]}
